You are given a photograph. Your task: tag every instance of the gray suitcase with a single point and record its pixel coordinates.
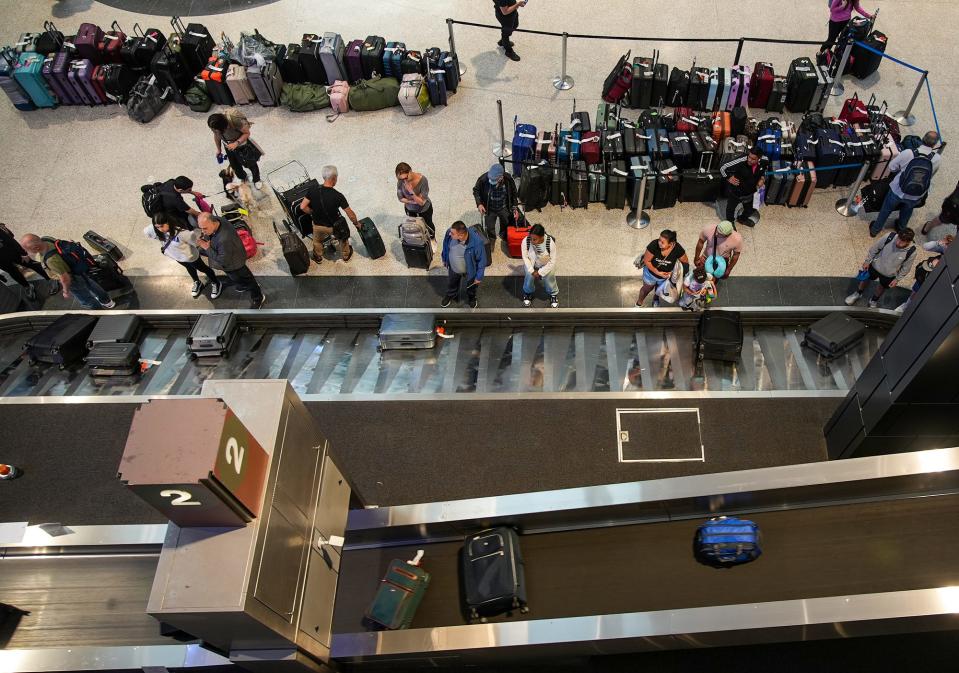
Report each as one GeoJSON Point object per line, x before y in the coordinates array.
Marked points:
{"type": "Point", "coordinates": [213, 335]}
{"type": "Point", "coordinates": [114, 359]}
{"type": "Point", "coordinates": [405, 331]}
{"type": "Point", "coordinates": [267, 83]}
{"type": "Point", "coordinates": [116, 329]}
{"type": "Point", "coordinates": [332, 51]}
{"type": "Point", "coordinates": [597, 184]}
{"type": "Point", "coordinates": [239, 83]}
{"type": "Point", "coordinates": [834, 335]}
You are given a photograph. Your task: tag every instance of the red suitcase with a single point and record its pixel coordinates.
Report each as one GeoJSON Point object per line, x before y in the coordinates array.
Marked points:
{"type": "Point", "coordinates": [88, 41]}
{"type": "Point", "coordinates": [619, 81]}
{"type": "Point", "coordinates": [761, 84]}
{"type": "Point", "coordinates": [515, 236]}
{"type": "Point", "coordinates": [686, 120]}
{"type": "Point", "coordinates": [590, 148]}
{"type": "Point", "coordinates": [111, 44]}
{"type": "Point", "coordinates": [99, 83]}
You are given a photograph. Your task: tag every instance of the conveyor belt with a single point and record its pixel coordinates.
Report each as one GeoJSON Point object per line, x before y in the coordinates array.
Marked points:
{"type": "Point", "coordinates": [492, 354]}
{"type": "Point", "coordinates": [808, 553]}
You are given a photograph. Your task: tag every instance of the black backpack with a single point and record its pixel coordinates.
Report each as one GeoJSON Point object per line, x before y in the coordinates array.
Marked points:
{"type": "Point", "coordinates": [152, 199]}
{"type": "Point", "coordinates": [916, 176]}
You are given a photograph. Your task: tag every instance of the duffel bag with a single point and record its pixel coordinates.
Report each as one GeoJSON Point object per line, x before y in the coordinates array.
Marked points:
{"type": "Point", "coordinates": [725, 541]}
{"type": "Point", "coordinates": [304, 97]}
{"type": "Point", "coordinates": [197, 98]}
{"type": "Point", "coordinates": [374, 94]}
{"type": "Point", "coordinates": [146, 100]}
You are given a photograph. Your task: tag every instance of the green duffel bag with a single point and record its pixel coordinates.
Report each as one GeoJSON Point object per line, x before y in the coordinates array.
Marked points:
{"type": "Point", "coordinates": [198, 99]}
{"type": "Point", "coordinates": [304, 97]}
{"type": "Point", "coordinates": [374, 94]}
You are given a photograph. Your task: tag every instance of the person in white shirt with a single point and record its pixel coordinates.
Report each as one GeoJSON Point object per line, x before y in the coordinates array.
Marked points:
{"type": "Point", "coordinates": [917, 168]}
{"type": "Point", "coordinates": [539, 257]}
{"type": "Point", "coordinates": [179, 244]}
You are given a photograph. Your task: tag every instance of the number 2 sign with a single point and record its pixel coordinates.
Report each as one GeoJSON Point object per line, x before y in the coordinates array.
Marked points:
{"type": "Point", "coordinates": [241, 463]}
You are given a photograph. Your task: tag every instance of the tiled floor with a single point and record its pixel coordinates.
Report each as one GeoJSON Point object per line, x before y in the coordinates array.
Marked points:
{"type": "Point", "coordinates": [80, 168]}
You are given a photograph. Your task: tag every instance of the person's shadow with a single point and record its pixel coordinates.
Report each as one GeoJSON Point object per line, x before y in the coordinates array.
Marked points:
{"type": "Point", "coordinates": [63, 9]}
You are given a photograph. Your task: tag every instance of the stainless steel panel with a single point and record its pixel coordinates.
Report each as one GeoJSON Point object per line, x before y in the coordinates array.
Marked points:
{"type": "Point", "coordinates": [284, 551]}
{"type": "Point", "coordinates": [334, 503]}
{"type": "Point", "coordinates": [108, 658]}
{"type": "Point", "coordinates": [319, 594]}
{"type": "Point", "coordinates": [299, 448]}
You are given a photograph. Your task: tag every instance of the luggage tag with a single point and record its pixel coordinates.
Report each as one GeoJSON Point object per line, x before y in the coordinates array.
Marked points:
{"type": "Point", "coordinates": [196, 34]}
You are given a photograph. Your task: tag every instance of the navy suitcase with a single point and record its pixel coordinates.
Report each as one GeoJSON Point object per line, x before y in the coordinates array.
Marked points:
{"type": "Point", "coordinates": [494, 581]}
{"type": "Point", "coordinates": [62, 343]}
{"type": "Point", "coordinates": [371, 238]}
{"type": "Point", "coordinates": [524, 140]}
{"type": "Point", "coordinates": [719, 336]}
{"type": "Point", "coordinates": [724, 541]}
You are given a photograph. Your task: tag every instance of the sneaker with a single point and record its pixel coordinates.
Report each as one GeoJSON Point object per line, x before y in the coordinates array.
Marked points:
{"type": "Point", "coordinates": [473, 303]}
{"type": "Point", "coordinates": [197, 289]}
{"type": "Point", "coordinates": [527, 300]}
{"type": "Point", "coordinates": [554, 301]}
{"type": "Point", "coordinates": [215, 289]}
{"type": "Point", "coordinates": [509, 43]}
{"type": "Point", "coordinates": [873, 302]}
{"type": "Point", "coordinates": [446, 302]}
{"type": "Point", "coordinates": [902, 307]}
{"type": "Point", "coordinates": [512, 55]}
{"type": "Point", "coordinates": [853, 298]}
{"type": "Point", "coordinates": [258, 303]}
{"type": "Point", "coordinates": [109, 304]}
{"type": "Point", "coordinates": [258, 184]}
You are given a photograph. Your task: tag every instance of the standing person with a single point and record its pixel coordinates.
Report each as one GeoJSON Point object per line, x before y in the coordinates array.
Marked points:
{"type": "Point", "coordinates": [13, 256]}
{"type": "Point", "coordinates": [171, 196]}
{"type": "Point", "coordinates": [496, 199]}
{"type": "Point", "coordinates": [231, 132]}
{"type": "Point", "coordinates": [925, 267]}
{"type": "Point", "coordinates": [948, 213]}
{"type": "Point", "coordinates": [658, 262]}
{"type": "Point", "coordinates": [71, 263]}
{"type": "Point", "coordinates": [913, 171]}
{"type": "Point", "coordinates": [743, 175]}
{"type": "Point", "coordinates": [464, 257]}
{"type": "Point", "coordinates": [323, 204]}
{"type": "Point", "coordinates": [889, 260]}
{"type": "Point", "coordinates": [180, 245]}
{"type": "Point", "coordinates": [507, 13]}
{"type": "Point", "coordinates": [539, 257]}
{"type": "Point", "coordinates": [840, 12]}
{"type": "Point", "coordinates": [225, 251]}
{"type": "Point", "coordinates": [413, 191]}
{"type": "Point", "coordinates": [699, 288]}
{"type": "Point", "coordinates": [721, 240]}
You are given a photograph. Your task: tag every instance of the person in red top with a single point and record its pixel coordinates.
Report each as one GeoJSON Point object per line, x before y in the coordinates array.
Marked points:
{"type": "Point", "coordinates": [840, 12]}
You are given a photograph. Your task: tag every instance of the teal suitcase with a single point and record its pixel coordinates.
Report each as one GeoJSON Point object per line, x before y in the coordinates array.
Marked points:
{"type": "Point", "coordinates": [29, 75]}
{"type": "Point", "coordinates": [401, 591]}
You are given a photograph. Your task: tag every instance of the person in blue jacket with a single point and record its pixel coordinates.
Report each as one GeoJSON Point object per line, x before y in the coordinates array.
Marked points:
{"type": "Point", "coordinates": [464, 256]}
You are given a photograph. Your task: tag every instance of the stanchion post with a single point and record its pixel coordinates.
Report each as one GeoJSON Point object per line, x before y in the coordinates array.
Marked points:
{"type": "Point", "coordinates": [739, 50]}
{"type": "Point", "coordinates": [449, 26]}
{"type": "Point", "coordinates": [905, 117]}
{"type": "Point", "coordinates": [501, 151]}
{"type": "Point", "coordinates": [639, 218]}
{"type": "Point", "coordinates": [837, 86]}
{"type": "Point", "coordinates": [848, 207]}
{"type": "Point", "coordinates": [562, 81]}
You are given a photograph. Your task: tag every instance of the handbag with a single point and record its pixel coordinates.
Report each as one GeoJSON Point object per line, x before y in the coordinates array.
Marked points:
{"type": "Point", "coordinates": [248, 153]}
{"type": "Point", "coordinates": [203, 204]}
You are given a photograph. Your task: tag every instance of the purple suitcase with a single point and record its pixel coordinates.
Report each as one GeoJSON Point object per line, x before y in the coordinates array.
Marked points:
{"type": "Point", "coordinates": [60, 71]}
{"type": "Point", "coordinates": [65, 97]}
{"type": "Point", "coordinates": [88, 41]}
{"type": "Point", "coordinates": [747, 75]}
{"type": "Point", "coordinates": [81, 72]}
{"type": "Point", "coordinates": [354, 64]}
{"type": "Point", "coordinates": [734, 81]}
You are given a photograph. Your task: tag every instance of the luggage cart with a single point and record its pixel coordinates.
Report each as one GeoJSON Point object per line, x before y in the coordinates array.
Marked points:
{"type": "Point", "coordinates": [291, 182]}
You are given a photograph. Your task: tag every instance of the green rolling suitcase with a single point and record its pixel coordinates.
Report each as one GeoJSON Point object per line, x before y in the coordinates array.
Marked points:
{"type": "Point", "coordinates": [401, 591]}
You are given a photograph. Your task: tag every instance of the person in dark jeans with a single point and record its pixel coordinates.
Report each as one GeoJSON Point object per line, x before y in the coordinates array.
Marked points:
{"type": "Point", "coordinates": [840, 12]}
{"type": "Point", "coordinates": [743, 175]}
{"type": "Point", "coordinates": [180, 245]}
{"type": "Point", "coordinates": [507, 13]}
{"type": "Point", "coordinates": [225, 251]}
{"type": "Point", "coordinates": [464, 257]}
{"type": "Point", "coordinates": [231, 132]}
{"type": "Point", "coordinates": [13, 256]}
{"type": "Point", "coordinates": [72, 269]}
{"type": "Point", "coordinates": [496, 199]}
{"type": "Point", "coordinates": [413, 191]}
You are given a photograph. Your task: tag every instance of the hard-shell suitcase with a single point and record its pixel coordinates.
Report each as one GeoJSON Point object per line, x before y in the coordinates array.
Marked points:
{"type": "Point", "coordinates": [667, 184]}
{"type": "Point", "coordinates": [777, 95]}
{"type": "Point", "coordinates": [28, 73]}
{"type": "Point", "coordinates": [87, 41]}
{"type": "Point", "coordinates": [568, 146]}
{"type": "Point", "coordinates": [801, 82]}
{"type": "Point", "coordinates": [295, 252]}
{"type": "Point", "coordinates": [54, 71]}
{"type": "Point", "coordinates": [524, 143]}
{"type": "Point", "coordinates": [371, 56]}
{"type": "Point", "coordinates": [123, 328]}
{"type": "Point", "coordinates": [578, 185]}
{"type": "Point", "coordinates": [14, 91]}
{"type": "Point", "coordinates": [310, 62]}
{"type": "Point", "coordinates": [834, 335]}
{"type": "Point", "coordinates": [677, 88]}
{"type": "Point", "coordinates": [775, 181]}
{"type": "Point", "coordinates": [805, 184]}
{"type": "Point", "coordinates": [612, 145]}
{"type": "Point", "coordinates": [291, 70]}
{"type": "Point", "coordinates": [371, 238]}
{"type": "Point", "coordinates": [393, 58]}
{"type": "Point", "coordinates": [698, 93]}
{"type": "Point", "coordinates": [354, 61]}
{"type": "Point", "coordinates": [239, 83]}
{"type": "Point", "coordinates": [616, 185]}
{"type": "Point", "coordinates": [213, 335]}
{"type": "Point", "coordinates": [478, 230]}
{"type": "Point", "coordinates": [864, 62]}
{"type": "Point", "coordinates": [113, 359]}
{"type": "Point", "coordinates": [418, 256]}
{"type": "Point", "coordinates": [887, 152]}
{"type": "Point", "coordinates": [332, 51]}
{"type": "Point", "coordinates": [407, 331]}
{"type": "Point", "coordinates": [681, 150]}
{"type": "Point", "coordinates": [723, 542]}
{"type": "Point", "coordinates": [515, 237]}
{"type": "Point", "coordinates": [725, 88]}
{"type": "Point", "coordinates": [701, 184]}
{"type": "Point", "coordinates": [196, 44]}
{"type": "Point", "coordinates": [761, 85]}
{"type": "Point", "coordinates": [494, 580]}
{"type": "Point", "coordinates": [557, 189]}
{"type": "Point", "coordinates": [414, 96]}
{"type": "Point", "coordinates": [81, 74]}
{"type": "Point", "coordinates": [719, 336]}
{"type": "Point", "coordinates": [102, 244]}
{"type": "Point", "coordinates": [400, 592]}
{"type": "Point", "coordinates": [108, 275]}
{"type": "Point", "coordinates": [267, 83]}
{"type": "Point", "coordinates": [451, 66]}
{"type": "Point", "coordinates": [641, 87]}
{"type": "Point", "coordinates": [597, 184]}
{"type": "Point", "coordinates": [823, 88]}
{"type": "Point", "coordinates": [590, 149]}
{"type": "Point", "coordinates": [62, 343]}
{"type": "Point", "coordinates": [739, 87]}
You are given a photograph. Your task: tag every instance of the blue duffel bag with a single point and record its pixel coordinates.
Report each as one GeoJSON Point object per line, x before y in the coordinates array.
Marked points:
{"type": "Point", "coordinates": [724, 542]}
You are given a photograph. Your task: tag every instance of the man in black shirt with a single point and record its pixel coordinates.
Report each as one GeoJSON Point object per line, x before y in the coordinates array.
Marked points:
{"type": "Point", "coordinates": [507, 13]}
{"type": "Point", "coordinates": [743, 175]}
{"type": "Point", "coordinates": [171, 193]}
{"type": "Point", "coordinates": [323, 204]}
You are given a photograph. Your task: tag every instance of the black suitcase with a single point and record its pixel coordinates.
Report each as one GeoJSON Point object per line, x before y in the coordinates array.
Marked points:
{"type": "Point", "coordinates": [613, 147]}
{"type": "Point", "coordinates": [834, 335]}
{"type": "Point", "coordinates": [417, 256]}
{"type": "Point", "coordinates": [494, 581]}
{"type": "Point", "coordinates": [310, 59]}
{"type": "Point", "coordinates": [700, 185]}
{"type": "Point", "coordinates": [114, 359]}
{"type": "Point", "coordinates": [865, 63]}
{"type": "Point", "coordinates": [196, 44]}
{"type": "Point", "coordinates": [660, 82]}
{"type": "Point", "coordinates": [62, 343]}
{"type": "Point", "coordinates": [801, 82]}
{"type": "Point", "coordinates": [578, 185]}
{"type": "Point", "coordinates": [681, 149]}
{"type": "Point", "coordinates": [103, 245]}
{"type": "Point", "coordinates": [295, 252]}
{"type": "Point", "coordinates": [616, 185]}
{"type": "Point", "coordinates": [291, 72]}
{"type": "Point", "coordinates": [108, 275]}
{"type": "Point", "coordinates": [698, 88]}
{"type": "Point", "coordinates": [477, 230]}
{"type": "Point", "coordinates": [116, 329]}
{"type": "Point", "coordinates": [557, 192]}
{"type": "Point", "coordinates": [641, 88]}
{"type": "Point", "coordinates": [371, 56]}
{"type": "Point", "coordinates": [291, 199]}
{"type": "Point", "coordinates": [534, 186]}
{"type": "Point", "coordinates": [371, 238]}
{"type": "Point", "coordinates": [579, 121]}
{"type": "Point", "coordinates": [172, 73]}
{"type": "Point", "coordinates": [719, 336]}
{"type": "Point", "coordinates": [677, 88]}
{"type": "Point", "coordinates": [213, 334]}
{"type": "Point", "coordinates": [667, 184]}
{"type": "Point", "coordinates": [777, 97]}
{"type": "Point", "coordinates": [147, 45]}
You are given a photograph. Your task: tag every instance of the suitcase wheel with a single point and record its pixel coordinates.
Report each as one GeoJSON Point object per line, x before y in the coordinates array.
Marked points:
{"type": "Point", "coordinates": [32, 362]}
{"type": "Point", "coordinates": [193, 356]}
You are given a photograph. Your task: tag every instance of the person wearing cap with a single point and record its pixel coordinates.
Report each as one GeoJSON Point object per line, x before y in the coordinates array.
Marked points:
{"type": "Point", "coordinates": [721, 240]}
{"type": "Point", "coordinates": [496, 199]}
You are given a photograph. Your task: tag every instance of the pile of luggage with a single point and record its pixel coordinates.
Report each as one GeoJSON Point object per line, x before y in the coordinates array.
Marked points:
{"type": "Point", "coordinates": [147, 69]}
{"type": "Point", "coordinates": [108, 344]}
